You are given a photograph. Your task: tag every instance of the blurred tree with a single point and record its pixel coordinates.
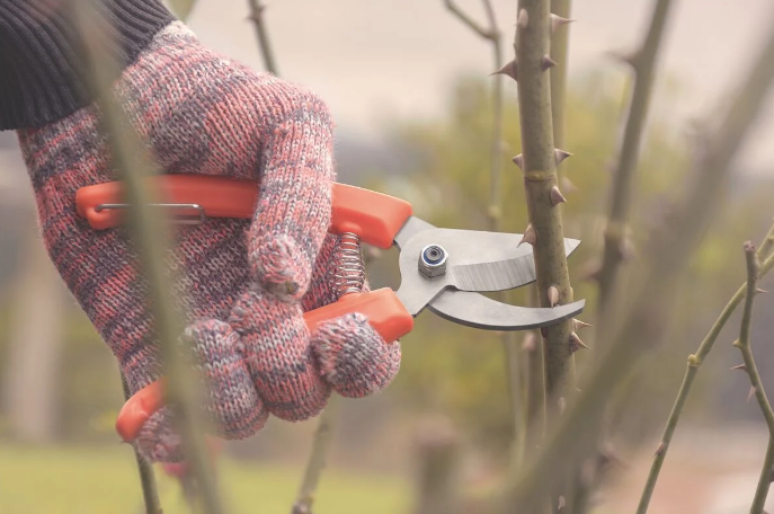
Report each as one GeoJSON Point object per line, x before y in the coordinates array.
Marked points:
{"type": "Point", "coordinates": [34, 359]}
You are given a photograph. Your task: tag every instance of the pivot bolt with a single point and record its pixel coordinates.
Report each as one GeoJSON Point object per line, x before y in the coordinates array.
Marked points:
{"type": "Point", "coordinates": [432, 261]}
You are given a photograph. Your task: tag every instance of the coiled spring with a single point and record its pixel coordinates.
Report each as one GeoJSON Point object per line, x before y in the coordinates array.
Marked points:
{"type": "Point", "coordinates": [349, 275]}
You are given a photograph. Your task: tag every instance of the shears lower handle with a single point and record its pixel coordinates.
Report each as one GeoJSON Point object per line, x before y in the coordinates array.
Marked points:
{"type": "Point", "coordinates": [382, 307]}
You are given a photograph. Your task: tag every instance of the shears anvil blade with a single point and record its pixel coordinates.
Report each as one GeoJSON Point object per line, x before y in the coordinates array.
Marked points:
{"type": "Point", "coordinates": [477, 311]}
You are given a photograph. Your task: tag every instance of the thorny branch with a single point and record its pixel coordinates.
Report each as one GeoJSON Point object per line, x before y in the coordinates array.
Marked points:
{"type": "Point", "coordinates": [694, 363]}
{"type": "Point", "coordinates": [132, 162]}
{"type": "Point", "coordinates": [743, 343]}
{"type": "Point", "coordinates": [257, 12]}
{"type": "Point", "coordinates": [643, 63]}
{"type": "Point", "coordinates": [539, 161]}
{"type": "Point", "coordinates": [641, 326]}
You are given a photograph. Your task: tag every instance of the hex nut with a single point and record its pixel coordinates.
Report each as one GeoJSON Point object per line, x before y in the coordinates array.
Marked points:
{"type": "Point", "coordinates": [432, 261]}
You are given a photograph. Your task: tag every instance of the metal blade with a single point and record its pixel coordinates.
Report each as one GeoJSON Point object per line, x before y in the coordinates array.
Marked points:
{"type": "Point", "coordinates": [478, 311]}
{"type": "Point", "coordinates": [504, 274]}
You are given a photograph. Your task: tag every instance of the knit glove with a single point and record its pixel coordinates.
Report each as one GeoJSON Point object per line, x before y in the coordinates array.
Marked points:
{"type": "Point", "coordinates": [242, 285]}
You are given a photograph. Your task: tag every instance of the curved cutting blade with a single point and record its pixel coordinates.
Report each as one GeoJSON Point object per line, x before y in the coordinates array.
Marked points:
{"type": "Point", "coordinates": [477, 311]}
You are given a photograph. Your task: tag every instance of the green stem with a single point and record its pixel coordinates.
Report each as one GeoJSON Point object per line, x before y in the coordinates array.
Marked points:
{"type": "Point", "coordinates": [130, 159]}
{"type": "Point", "coordinates": [694, 363]}
{"type": "Point", "coordinates": [539, 167]}
{"type": "Point", "coordinates": [644, 65]}
{"type": "Point", "coordinates": [743, 343]}
{"type": "Point", "coordinates": [264, 43]}
{"type": "Point", "coordinates": [538, 163]}
{"type": "Point", "coordinates": [150, 493]}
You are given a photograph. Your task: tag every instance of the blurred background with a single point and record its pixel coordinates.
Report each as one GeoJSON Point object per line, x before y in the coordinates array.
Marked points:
{"type": "Point", "coordinates": [408, 86]}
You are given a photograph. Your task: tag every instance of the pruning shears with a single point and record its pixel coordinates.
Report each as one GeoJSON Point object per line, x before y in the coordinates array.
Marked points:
{"type": "Point", "coordinates": [443, 270]}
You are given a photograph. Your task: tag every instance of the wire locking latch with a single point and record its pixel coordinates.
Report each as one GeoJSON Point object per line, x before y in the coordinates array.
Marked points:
{"type": "Point", "coordinates": [200, 218]}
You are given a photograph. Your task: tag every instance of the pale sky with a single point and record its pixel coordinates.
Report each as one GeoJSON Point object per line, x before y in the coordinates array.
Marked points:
{"type": "Point", "coordinates": [372, 59]}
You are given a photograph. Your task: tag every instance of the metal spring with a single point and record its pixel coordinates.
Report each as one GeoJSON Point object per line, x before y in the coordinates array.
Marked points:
{"type": "Point", "coordinates": [349, 271]}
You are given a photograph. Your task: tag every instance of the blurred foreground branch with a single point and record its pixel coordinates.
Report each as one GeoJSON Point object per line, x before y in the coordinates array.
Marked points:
{"type": "Point", "coordinates": [130, 159]}
{"type": "Point", "coordinates": [616, 243]}
{"type": "Point", "coordinates": [641, 326]}
{"type": "Point", "coordinates": [694, 363]}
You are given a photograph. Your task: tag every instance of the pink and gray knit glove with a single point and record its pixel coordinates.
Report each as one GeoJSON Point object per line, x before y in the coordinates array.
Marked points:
{"type": "Point", "coordinates": [244, 285]}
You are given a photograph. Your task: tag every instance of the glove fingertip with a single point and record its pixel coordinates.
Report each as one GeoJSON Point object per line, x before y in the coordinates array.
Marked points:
{"type": "Point", "coordinates": [354, 359]}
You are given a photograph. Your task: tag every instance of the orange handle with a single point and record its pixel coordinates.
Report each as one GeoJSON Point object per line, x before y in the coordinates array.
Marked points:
{"type": "Point", "coordinates": [375, 217]}
{"type": "Point", "coordinates": [382, 307]}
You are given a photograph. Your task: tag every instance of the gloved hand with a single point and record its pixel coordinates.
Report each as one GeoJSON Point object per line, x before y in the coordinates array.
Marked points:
{"type": "Point", "coordinates": [243, 285]}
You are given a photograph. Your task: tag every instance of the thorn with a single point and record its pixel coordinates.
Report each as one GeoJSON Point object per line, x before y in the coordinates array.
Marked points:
{"type": "Point", "coordinates": [752, 392]}
{"type": "Point", "coordinates": [558, 21]}
{"type": "Point", "coordinates": [629, 58]}
{"type": "Point", "coordinates": [257, 15]}
{"type": "Point", "coordinates": [591, 272]}
{"type": "Point", "coordinates": [578, 324]}
{"type": "Point", "coordinates": [546, 63]}
{"type": "Point", "coordinates": [742, 367]}
{"type": "Point", "coordinates": [626, 249]}
{"type": "Point", "coordinates": [608, 457]}
{"type": "Point", "coordinates": [519, 161]}
{"type": "Point", "coordinates": [576, 343]}
{"type": "Point", "coordinates": [553, 295]}
{"type": "Point", "coordinates": [760, 291]}
{"type": "Point", "coordinates": [556, 196]}
{"type": "Point", "coordinates": [661, 449]}
{"type": "Point", "coordinates": [562, 503]}
{"type": "Point", "coordinates": [544, 332]}
{"type": "Point", "coordinates": [528, 344]}
{"type": "Point", "coordinates": [523, 19]}
{"type": "Point", "coordinates": [560, 155]}
{"type": "Point", "coordinates": [529, 236]}
{"type": "Point", "coordinates": [509, 69]}
{"type": "Point", "coordinates": [562, 404]}
{"type": "Point", "coordinates": [567, 185]}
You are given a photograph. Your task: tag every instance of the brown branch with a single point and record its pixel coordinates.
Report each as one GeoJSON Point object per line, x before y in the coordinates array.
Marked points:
{"type": "Point", "coordinates": [257, 12]}
{"type": "Point", "coordinates": [694, 363]}
{"type": "Point", "coordinates": [644, 65]}
{"type": "Point", "coordinates": [317, 458]}
{"type": "Point", "coordinates": [490, 33]}
{"type": "Point", "coordinates": [150, 493]}
{"type": "Point", "coordinates": [641, 326]}
{"type": "Point", "coordinates": [743, 343]}
{"type": "Point", "coordinates": [131, 160]}
{"type": "Point", "coordinates": [494, 212]}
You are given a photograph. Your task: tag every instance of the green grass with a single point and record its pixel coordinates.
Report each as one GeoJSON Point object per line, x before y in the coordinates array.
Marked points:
{"type": "Point", "coordinates": [103, 480]}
